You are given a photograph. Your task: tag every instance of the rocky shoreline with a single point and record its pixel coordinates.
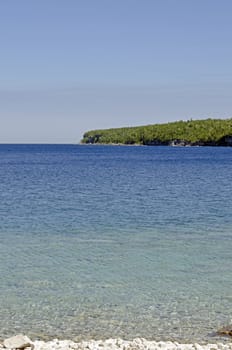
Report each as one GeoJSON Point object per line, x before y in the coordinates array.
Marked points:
{"type": "Point", "coordinates": [23, 342]}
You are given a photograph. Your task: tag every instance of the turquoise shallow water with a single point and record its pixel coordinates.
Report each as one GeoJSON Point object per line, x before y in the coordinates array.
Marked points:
{"type": "Point", "coordinates": [101, 241]}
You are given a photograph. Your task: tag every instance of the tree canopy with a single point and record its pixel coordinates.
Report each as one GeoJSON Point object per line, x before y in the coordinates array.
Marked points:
{"type": "Point", "coordinates": [192, 132]}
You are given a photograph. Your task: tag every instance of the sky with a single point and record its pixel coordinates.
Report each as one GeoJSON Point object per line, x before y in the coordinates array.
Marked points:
{"type": "Point", "coordinates": [68, 66]}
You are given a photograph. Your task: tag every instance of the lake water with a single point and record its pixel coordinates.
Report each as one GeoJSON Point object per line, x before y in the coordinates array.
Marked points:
{"type": "Point", "coordinates": [103, 241]}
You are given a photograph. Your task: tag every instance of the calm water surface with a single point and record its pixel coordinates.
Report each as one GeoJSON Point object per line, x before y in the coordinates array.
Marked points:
{"type": "Point", "coordinates": [101, 241]}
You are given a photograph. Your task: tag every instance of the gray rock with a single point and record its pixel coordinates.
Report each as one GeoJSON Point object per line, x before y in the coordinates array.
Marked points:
{"type": "Point", "coordinates": [19, 341]}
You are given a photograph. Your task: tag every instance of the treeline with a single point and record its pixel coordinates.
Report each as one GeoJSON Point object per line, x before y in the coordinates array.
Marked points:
{"type": "Point", "coordinates": [215, 132]}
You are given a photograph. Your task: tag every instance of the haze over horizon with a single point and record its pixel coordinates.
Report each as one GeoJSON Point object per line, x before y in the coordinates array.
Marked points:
{"type": "Point", "coordinates": [75, 65]}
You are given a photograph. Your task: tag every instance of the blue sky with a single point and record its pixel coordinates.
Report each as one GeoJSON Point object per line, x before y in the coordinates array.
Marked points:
{"type": "Point", "coordinates": [67, 66]}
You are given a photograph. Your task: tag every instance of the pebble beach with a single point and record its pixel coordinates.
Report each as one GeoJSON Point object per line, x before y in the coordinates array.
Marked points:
{"type": "Point", "coordinates": [23, 342]}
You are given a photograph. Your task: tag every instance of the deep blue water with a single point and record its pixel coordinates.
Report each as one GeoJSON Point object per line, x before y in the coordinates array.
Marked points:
{"type": "Point", "coordinates": [106, 241]}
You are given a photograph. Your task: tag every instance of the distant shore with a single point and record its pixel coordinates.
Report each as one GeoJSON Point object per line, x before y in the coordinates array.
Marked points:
{"type": "Point", "coordinates": [208, 132]}
{"type": "Point", "coordinates": [171, 144]}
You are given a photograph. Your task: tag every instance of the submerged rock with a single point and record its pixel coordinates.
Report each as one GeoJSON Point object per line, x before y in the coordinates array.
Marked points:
{"type": "Point", "coordinates": [227, 330]}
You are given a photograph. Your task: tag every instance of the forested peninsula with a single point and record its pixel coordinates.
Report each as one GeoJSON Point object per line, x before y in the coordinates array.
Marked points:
{"type": "Point", "coordinates": [208, 132]}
